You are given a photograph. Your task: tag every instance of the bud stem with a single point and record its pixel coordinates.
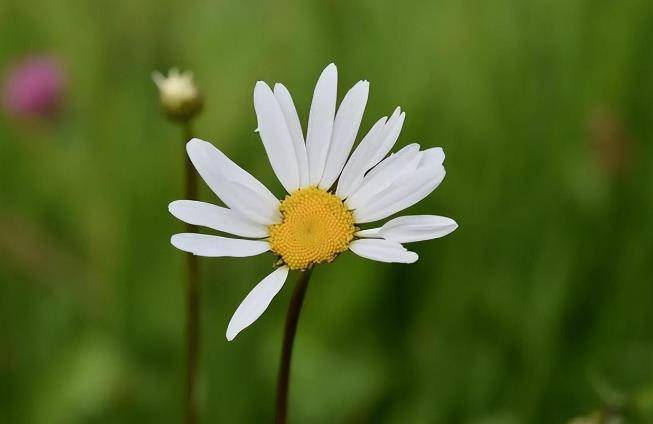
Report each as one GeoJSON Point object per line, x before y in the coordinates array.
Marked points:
{"type": "Point", "coordinates": [192, 293]}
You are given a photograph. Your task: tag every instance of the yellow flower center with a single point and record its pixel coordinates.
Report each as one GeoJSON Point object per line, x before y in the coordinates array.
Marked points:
{"type": "Point", "coordinates": [316, 227]}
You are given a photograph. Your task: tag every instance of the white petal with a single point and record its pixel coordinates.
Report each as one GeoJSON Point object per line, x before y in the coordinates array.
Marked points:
{"type": "Point", "coordinates": [216, 246]}
{"type": "Point", "coordinates": [406, 192]}
{"type": "Point", "coordinates": [256, 302]}
{"type": "Point", "coordinates": [370, 233]}
{"type": "Point", "coordinates": [276, 137]}
{"type": "Point", "coordinates": [435, 154]}
{"type": "Point", "coordinates": [352, 174]}
{"type": "Point", "coordinates": [407, 229]}
{"type": "Point", "coordinates": [345, 128]}
{"type": "Point", "coordinates": [294, 127]}
{"type": "Point", "coordinates": [391, 132]}
{"type": "Point", "coordinates": [386, 173]}
{"type": "Point", "coordinates": [217, 218]}
{"type": "Point", "coordinates": [227, 180]}
{"type": "Point", "coordinates": [383, 251]}
{"type": "Point", "coordinates": [393, 129]}
{"type": "Point", "coordinates": [371, 150]}
{"type": "Point", "coordinates": [400, 196]}
{"type": "Point", "coordinates": [243, 199]}
{"type": "Point", "coordinates": [320, 122]}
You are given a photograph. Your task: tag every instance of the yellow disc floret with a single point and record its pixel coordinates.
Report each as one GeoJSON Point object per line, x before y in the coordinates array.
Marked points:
{"type": "Point", "coordinates": [316, 227]}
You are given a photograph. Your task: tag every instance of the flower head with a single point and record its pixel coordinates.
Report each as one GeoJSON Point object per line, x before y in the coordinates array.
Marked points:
{"type": "Point", "coordinates": [34, 88]}
{"type": "Point", "coordinates": [318, 219]}
{"type": "Point", "coordinates": [179, 96]}
{"type": "Point", "coordinates": [316, 227]}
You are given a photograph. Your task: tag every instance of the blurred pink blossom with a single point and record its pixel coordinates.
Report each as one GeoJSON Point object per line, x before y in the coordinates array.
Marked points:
{"type": "Point", "coordinates": [610, 141]}
{"type": "Point", "coordinates": [34, 87]}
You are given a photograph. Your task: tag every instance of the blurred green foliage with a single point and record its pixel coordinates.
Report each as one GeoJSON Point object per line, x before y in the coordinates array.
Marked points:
{"type": "Point", "coordinates": [537, 309]}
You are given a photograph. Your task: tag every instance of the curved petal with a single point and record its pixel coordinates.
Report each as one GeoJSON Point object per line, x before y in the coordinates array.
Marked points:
{"type": "Point", "coordinates": [216, 218]}
{"type": "Point", "coordinates": [411, 149]}
{"type": "Point", "coordinates": [320, 122]}
{"type": "Point", "coordinates": [256, 302]}
{"type": "Point", "coordinates": [347, 121]}
{"type": "Point", "coordinates": [392, 130]}
{"type": "Point", "coordinates": [405, 193]}
{"type": "Point", "coordinates": [294, 127]}
{"type": "Point", "coordinates": [226, 179]}
{"type": "Point", "coordinates": [400, 196]}
{"type": "Point", "coordinates": [383, 251]}
{"type": "Point", "coordinates": [352, 173]}
{"type": "Point", "coordinates": [276, 137]}
{"type": "Point", "coordinates": [390, 170]}
{"type": "Point", "coordinates": [216, 246]}
{"type": "Point", "coordinates": [411, 228]}
{"type": "Point", "coordinates": [372, 150]}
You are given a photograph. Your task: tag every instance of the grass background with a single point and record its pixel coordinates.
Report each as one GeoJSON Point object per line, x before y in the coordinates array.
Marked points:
{"type": "Point", "coordinates": [537, 309]}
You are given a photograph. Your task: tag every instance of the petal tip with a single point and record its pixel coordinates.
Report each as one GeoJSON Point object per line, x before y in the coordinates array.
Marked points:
{"type": "Point", "coordinates": [174, 240]}
{"type": "Point", "coordinates": [261, 88]}
{"type": "Point", "coordinates": [172, 206]}
{"type": "Point", "coordinates": [330, 71]}
{"type": "Point", "coordinates": [195, 144]}
{"type": "Point", "coordinates": [440, 153]}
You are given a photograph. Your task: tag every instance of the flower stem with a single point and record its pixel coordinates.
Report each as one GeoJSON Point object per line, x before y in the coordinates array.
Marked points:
{"type": "Point", "coordinates": [290, 330]}
{"type": "Point", "coordinates": [192, 295]}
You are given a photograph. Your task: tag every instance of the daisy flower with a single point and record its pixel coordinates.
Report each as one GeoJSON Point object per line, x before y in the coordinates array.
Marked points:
{"type": "Point", "coordinates": [330, 193]}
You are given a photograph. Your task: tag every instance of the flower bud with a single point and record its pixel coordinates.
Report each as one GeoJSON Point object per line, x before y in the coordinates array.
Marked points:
{"type": "Point", "coordinates": [179, 96]}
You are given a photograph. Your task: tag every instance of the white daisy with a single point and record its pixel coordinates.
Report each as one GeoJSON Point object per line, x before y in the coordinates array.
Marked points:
{"type": "Point", "coordinates": [318, 219]}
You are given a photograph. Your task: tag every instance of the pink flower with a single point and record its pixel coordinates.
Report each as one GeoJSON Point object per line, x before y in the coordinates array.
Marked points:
{"type": "Point", "coordinates": [34, 87]}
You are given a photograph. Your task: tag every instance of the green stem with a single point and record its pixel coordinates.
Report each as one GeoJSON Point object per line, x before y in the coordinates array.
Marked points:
{"type": "Point", "coordinates": [290, 330]}
{"type": "Point", "coordinates": [192, 295]}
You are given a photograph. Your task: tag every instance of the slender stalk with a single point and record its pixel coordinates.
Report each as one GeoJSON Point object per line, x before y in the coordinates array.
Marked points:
{"type": "Point", "coordinates": [289, 332]}
{"type": "Point", "coordinates": [192, 296]}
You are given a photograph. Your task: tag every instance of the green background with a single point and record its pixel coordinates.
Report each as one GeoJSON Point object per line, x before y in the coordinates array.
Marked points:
{"type": "Point", "coordinates": [539, 308]}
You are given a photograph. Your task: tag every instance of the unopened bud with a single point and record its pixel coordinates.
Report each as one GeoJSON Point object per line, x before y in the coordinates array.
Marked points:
{"type": "Point", "coordinates": [179, 96]}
